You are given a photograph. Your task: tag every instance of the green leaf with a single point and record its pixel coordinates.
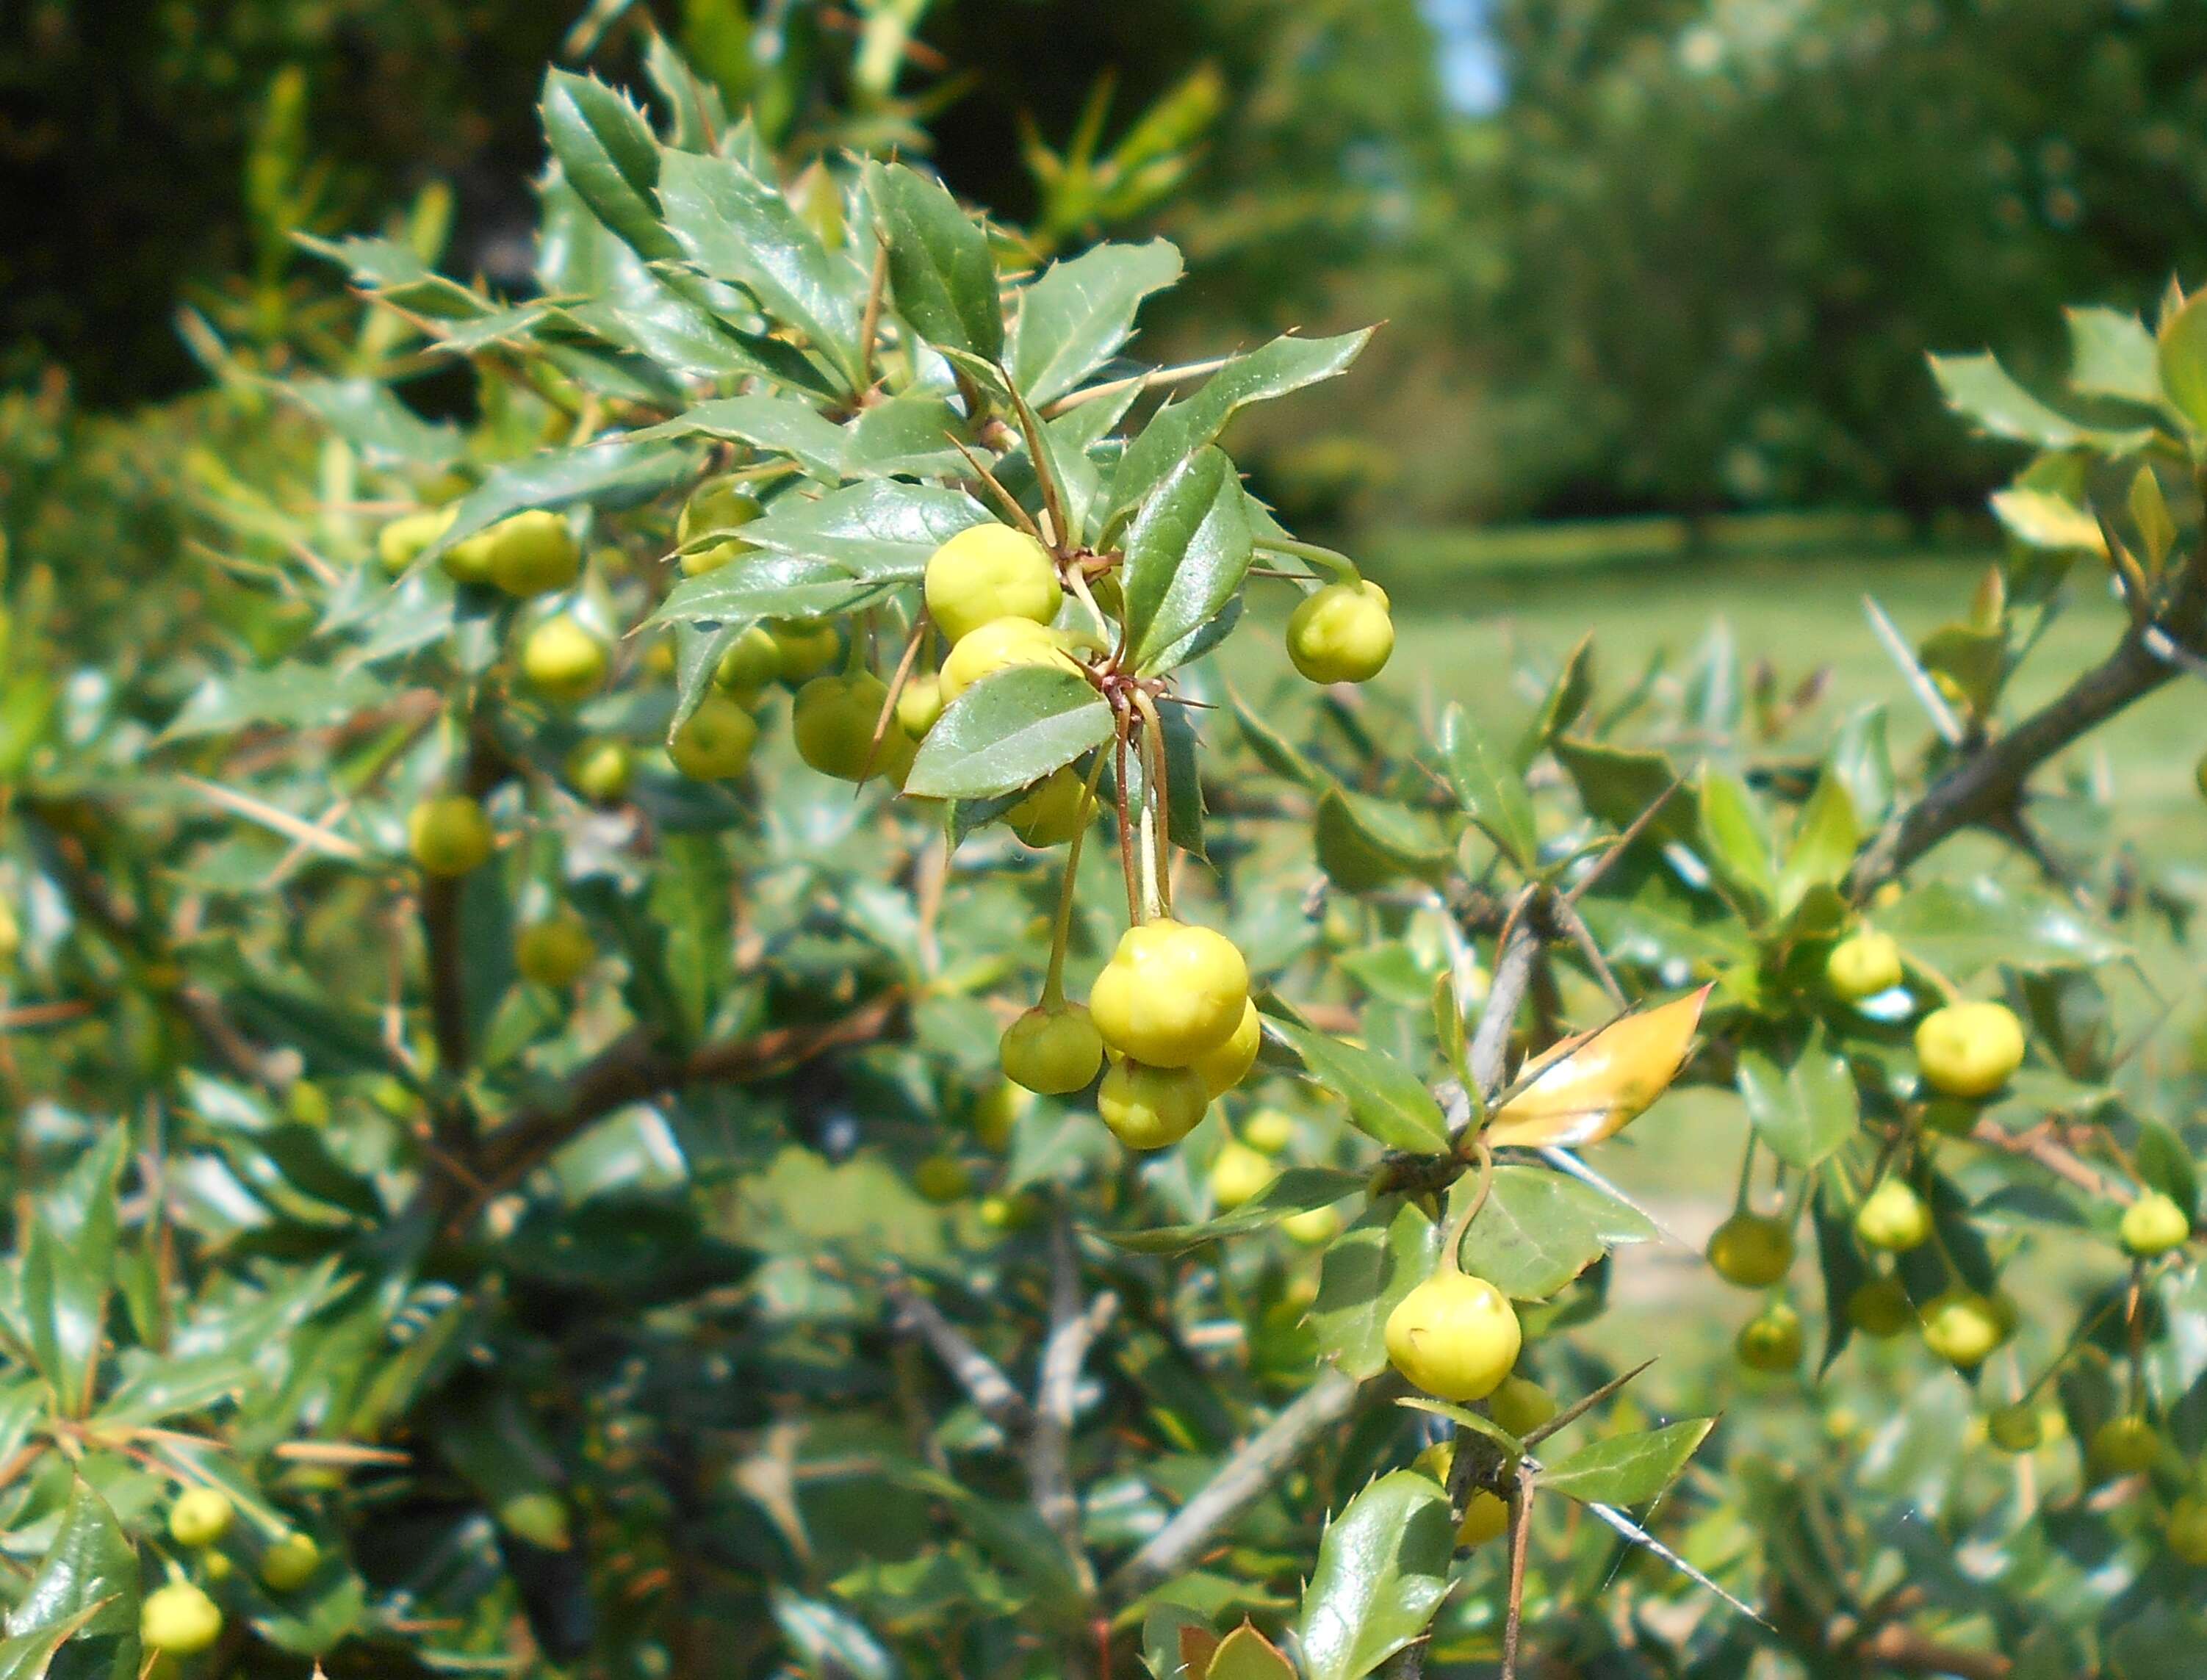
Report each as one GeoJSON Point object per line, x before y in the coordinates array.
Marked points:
{"type": "Point", "coordinates": [2041, 519]}
{"type": "Point", "coordinates": [31, 1656]}
{"type": "Point", "coordinates": [617, 474]}
{"type": "Point", "coordinates": [294, 695]}
{"type": "Point", "coordinates": [1979, 389]}
{"type": "Point", "coordinates": [1367, 1271]}
{"type": "Point", "coordinates": [1540, 1229]}
{"type": "Point", "coordinates": [1861, 760]}
{"type": "Point", "coordinates": [1385, 1100]}
{"type": "Point", "coordinates": [736, 228]}
{"type": "Point", "coordinates": [1274, 751]}
{"type": "Point", "coordinates": [69, 1271]}
{"type": "Point", "coordinates": [608, 154]}
{"type": "Point", "coordinates": [1627, 1469]}
{"type": "Point", "coordinates": [1296, 1189]}
{"type": "Point", "coordinates": [883, 530]}
{"type": "Point", "coordinates": [764, 586]}
{"type": "Point", "coordinates": [1560, 707]}
{"type": "Point", "coordinates": [1076, 316]}
{"type": "Point", "coordinates": [1186, 554]}
{"type": "Point", "coordinates": [1247, 1654]}
{"type": "Point", "coordinates": [2112, 354]}
{"type": "Point", "coordinates": [1490, 788]}
{"type": "Point", "coordinates": [1618, 784]}
{"type": "Point", "coordinates": [829, 1642]}
{"type": "Point", "coordinates": [940, 270]}
{"type": "Point", "coordinates": [1735, 841]}
{"type": "Point", "coordinates": [1805, 1112]}
{"type": "Point", "coordinates": [1381, 1571]}
{"type": "Point", "coordinates": [87, 1581]}
{"type": "Point", "coordinates": [1182, 429]}
{"type": "Point", "coordinates": [364, 412]}
{"type": "Point", "coordinates": [2166, 1165]}
{"type": "Point", "coordinates": [1839, 1256]}
{"type": "Point", "coordinates": [1364, 843]}
{"type": "Point", "coordinates": [1824, 842]}
{"type": "Point", "coordinates": [779, 425]}
{"type": "Point", "coordinates": [2181, 357]}
{"type": "Point", "coordinates": [1965, 926]}
{"type": "Point", "coordinates": [1009, 730]}
{"type": "Point", "coordinates": [908, 436]}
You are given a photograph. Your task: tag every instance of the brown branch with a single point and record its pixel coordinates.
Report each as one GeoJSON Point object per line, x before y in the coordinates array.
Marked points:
{"type": "Point", "coordinates": [1074, 1324]}
{"type": "Point", "coordinates": [448, 1004]}
{"type": "Point", "coordinates": [2056, 1158]}
{"type": "Point", "coordinates": [1895, 1647]}
{"type": "Point", "coordinates": [983, 1379]}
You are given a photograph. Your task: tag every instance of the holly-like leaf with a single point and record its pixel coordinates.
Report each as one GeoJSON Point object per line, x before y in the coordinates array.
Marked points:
{"type": "Point", "coordinates": [69, 1271]}
{"type": "Point", "coordinates": [1381, 1571]}
{"type": "Point", "coordinates": [1076, 316]}
{"type": "Point", "coordinates": [2181, 356]}
{"type": "Point", "coordinates": [1804, 1112]}
{"type": "Point", "coordinates": [1247, 1654]}
{"type": "Point", "coordinates": [1980, 390]}
{"type": "Point", "coordinates": [1367, 1270]}
{"type": "Point", "coordinates": [1364, 843]}
{"type": "Point", "coordinates": [779, 425]}
{"type": "Point", "coordinates": [1593, 1085]}
{"type": "Point", "coordinates": [883, 531]}
{"type": "Point", "coordinates": [608, 154]}
{"type": "Point", "coordinates": [1490, 788]}
{"type": "Point", "coordinates": [1627, 1469]}
{"type": "Point", "coordinates": [1385, 1100]}
{"type": "Point", "coordinates": [765, 586]}
{"type": "Point", "coordinates": [1297, 1190]}
{"type": "Point", "coordinates": [1540, 1229]}
{"type": "Point", "coordinates": [365, 414]}
{"type": "Point", "coordinates": [1824, 842]}
{"type": "Point", "coordinates": [1962, 927]}
{"type": "Point", "coordinates": [1735, 842]}
{"type": "Point", "coordinates": [2112, 354]}
{"type": "Point", "coordinates": [617, 474]}
{"type": "Point", "coordinates": [940, 270]}
{"type": "Point", "coordinates": [87, 1582]}
{"type": "Point", "coordinates": [1010, 729]}
{"type": "Point", "coordinates": [1186, 554]}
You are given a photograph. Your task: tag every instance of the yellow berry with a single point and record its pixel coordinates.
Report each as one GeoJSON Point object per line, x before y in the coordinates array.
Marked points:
{"type": "Point", "coordinates": [179, 1620]}
{"type": "Point", "coordinates": [200, 1516]}
{"type": "Point", "coordinates": [1880, 1308]}
{"type": "Point", "coordinates": [832, 724]}
{"type": "Point", "coordinates": [1486, 1517]}
{"type": "Point", "coordinates": [600, 770]}
{"type": "Point", "coordinates": [400, 543]}
{"type": "Point", "coordinates": [1863, 965]}
{"type": "Point", "coordinates": [1170, 994]}
{"type": "Point", "coordinates": [717, 505]}
{"type": "Point", "coordinates": [2154, 1224]}
{"type": "Point", "coordinates": [919, 702]}
{"type": "Point", "coordinates": [533, 554]}
{"type": "Point", "coordinates": [556, 952]}
{"type": "Point", "coordinates": [1770, 1341]}
{"type": "Point", "coordinates": [1267, 1129]}
{"type": "Point", "coordinates": [1051, 1051]}
{"type": "Point", "coordinates": [942, 1178]}
{"type": "Point", "coordinates": [1148, 1108]}
{"type": "Point", "coordinates": [562, 661]}
{"type": "Point", "coordinates": [1313, 1228]}
{"type": "Point", "coordinates": [1963, 1328]}
{"type": "Point", "coordinates": [1751, 1251]}
{"type": "Point", "coordinates": [1238, 1173]}
{"type": "Point", "coordinates": [290, 1563]}
{"type": "Point", "coordinates": [1051, 813]}
{"type": "Point", "coordinates": [2016, 1428]}
{"type": "Point", "coordinates": [2187, 1530]}
{"type": "Point", "coordinates": [803, 648]}
{"type": "Point", "coordinates": [449, 835]}
{"type": "Point", "coordinates": [1454, 1336]}
{"type": "Point", "coordinates": [2123, 1447]}
{"type": "Point", "coordinates": [467, 560]}
{"type": "Point", "coordinates": [1521, 1407]}
{"type": "Point", "coordinates": [1968, 1050]}
{"type": "Point", "coordinates": [986, 573]}
{"type": "Point", "coordinates": [996, 645]}
{"type": "Point", "coordinates": [1341, 634]}
{"type": "Point", "coordinates": [996, 1110]}
{"type": "Point", "coordinates": [1226, 1066]}
{"type": "Point", "coordinates": [1008, 1213]}
{"type": "Point", "coordinates": [1893, 1218]}
{"type": "Point", "coordinates": [715, 741]}
{"type": "Point", "coordinates": [753, 660]}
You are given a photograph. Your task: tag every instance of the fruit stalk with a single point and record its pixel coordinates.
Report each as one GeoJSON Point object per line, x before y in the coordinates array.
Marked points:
{"type": "Point", "coordinates": [1061, 932]}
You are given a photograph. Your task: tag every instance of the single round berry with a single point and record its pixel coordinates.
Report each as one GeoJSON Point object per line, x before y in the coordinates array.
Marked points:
{"type": "Point", "coordinates": [1968, 1050]}
{"type": "Point", "coordinates": [715, 741]}
{"type": "Point", "coordinates": [1521, 1407]}
{"type": "Point", "coordinates": [717, 506]}
{"type": "Point", "coordinates": [1880, 1308]}
{"type": "Point", "coordinates": [919, 702]}
{"type": "Point", "coordinates": [986, 573]}
{"type": "Point", "coordinates": [1009, 1213]}
{"type": "Point", "coordinates": [2016, 1428]}
{"type": "Point", "coordinates": [2154, 1224]}
{"type": "Point", "coordinates": [179, 1620]}
{"type": "Point", "coordinates": [1226, 1066]}
{"type": "Point", "coordinates": [1486, 1517]}
{"type": "Point", "coordinates": [449, 835]}
{"type": "Point", "coordinates": [2123, 1447]}
{"type": "Point", "coordinates": [1051, 1051]}
{"type": "Point", "coordinates": [1239, 1173]}
{"type": "Point", "coordinates": [290, 1563]}
{"type": "Point", "coordinates": [1270, 1130]}
{"type": "Point", "coordinates": [467, 560]}
{"type": "Point", "coordinates": [1455, 1336]}
{"type": "Point", "coordinates": [1770, 1341]}
{"type": "Point", "coordinates": [200, 1516]}
{"type": "Point", "coordinates": [1052, 812]}
{"type": "Point", "coordinates": [533, 554]}
{"type": "Point", "coordinates": [400, 543]}
{"type": "Point", "coordinates": [833, 723]}
{"type": "Point", "coordinates": [942, 1178]}
{"type": "Point", "coordinates": [1171, 993]}
{"type": "Point", "coordinates": [803, 648]}
{"type": "Point", "coordinates": [1863, 965]}
{"type": "Point", "coordinates": [2186, 1532]}
{"type": "Point", "coordinates": [753, 660]}
{"type": "Point", "coordinates": [556, 952]}
{"type": "Point", "coordinates": [1893, 1218]}
{"type": "Point", "coordinates": [1149, 1108]}
{"type": "Point", "coordinates": [602, 770]}
{"type": "Point", "coordinates": [1341, 634]}
{"type": "Point", "coordinates": [996, 1108]}
{"type": "Point", "coordinates": [1313, 1228]}
{"type": "Point", "coordinates": [1751, 1251]}
{"type": "Point", "coordinates": [562, 661]}
{"type": "Point", "coordinates": [1963, 1328]}
{"type": "Point", "coordinates": [307, 1103]}
{"type": "Point", "coordinates": [995, 646]}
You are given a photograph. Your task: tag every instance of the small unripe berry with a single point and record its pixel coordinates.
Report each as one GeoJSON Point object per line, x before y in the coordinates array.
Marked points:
{"type": "Point", "coordinates": [996, 1110]}
{"type": "Point", "coordinates": [1051, 813]}
{"type": "Point", "coordinates": [533, 554]}
{"type": "Point", "coordinates": [1455, 1336]}
{"type": "Point", "coordinates": [1341, 634]}
{"type": "Point", "coordinates": [1521, 1407]}
{"type": "Point", "coordinates": [2015, 1428]}
{"type": "Point", "coordinates": [803, 648]}
{"type": "Point", "coordinates": [562, 661]}
{"type": "Point", "coordinates": [1863, 965]}
{"type": "Point", "coordinates": [449, 835]}
{"type": "Point", "coordinates": [715, 741]}
{"type": "Point", "coordinates": [1051, 1051]}
{"type": "Point", "coordinates": [1751, 1251]}
{"type": "Point", "coordinates": [556, 952]}
{"type": "Point", "coordinates": [1008, 1213]}
{"type": "Point", "coordinates": [2187, 1530]}
{"type": "Point", "coordinates": [1880, 1308]}
{"type": "Point", "coordinates": [1237, 1174]}
{"type": "Point", "coordinates": [753, 660]}
{"type": "Point", "coordinates": [400, 543]}
{"type": "Point", "coordinates": [1968, 1050]}
{"type": "Point", "coordinates": [1963, 1328]}
{"type": "Point", "coordinates": [1893, 1218]}
{"type": "Point", "coordinates": [1270, 1130]}
{"type": "Point", "coordinates": [1171, 993]}
{"type": "Point", "coordinates": [942, 1178]}
{"type": "Point", "coordinates": [1149, 1108]}
{"type": "Point", "coordinates": [1486, 1517]}
{"type": "Point", "coordinates": [1770, 1341]}
{"type": "Point", "coordinates": [919, 702]}
{"type": "Point", "coordinates": [467, 560]}
{"type": "Point", "coordinates": [600, 770]}
{"type": "Point", "coordinates": [1313, 1228]}
{"type": "Point", "coordinates": [2153, 1225]}
{"type": "Point", "coordinates": [717, 505]}
{"type": "Point", "coordinates": [986, 573]}
{"type": "Point", "coordinates": [1225, 1067]}
{"type": "Point", "coordinates": [200, 1516]}
{"type": "Point", "coordinates": [833, 722]}
{"type": "Point", "coordinates": [179, 1620]}
{"type": "Point", "coordinates": [290, 1563]}
{"type": "Point", "coordinates": [2123, 1447]}
{"type": "Point", "coordinates": [995, 646]}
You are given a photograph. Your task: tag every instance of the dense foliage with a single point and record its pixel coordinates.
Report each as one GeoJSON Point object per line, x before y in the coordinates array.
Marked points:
{"type": "Point", "coordinates": [518, 938]}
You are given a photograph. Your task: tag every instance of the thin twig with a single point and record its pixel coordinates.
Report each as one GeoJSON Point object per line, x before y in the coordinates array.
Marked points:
{"type": "Point", "coordinates": [1074, 1325]}
{"type": "Point", "coordinates": [983, 1379]}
